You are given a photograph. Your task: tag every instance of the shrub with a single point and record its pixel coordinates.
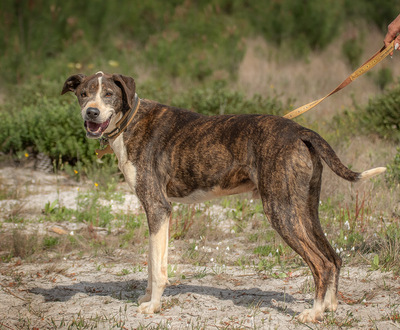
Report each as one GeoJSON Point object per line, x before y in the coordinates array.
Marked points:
{"type": "Point", "coordinates": [217, 99]}
{"type": "Point", "coordinates": [382, 115]}
{"type": "Point", "coordinates": [52, 126]}
{"type": "Point", "coordinates": [352, 50]}
{"type": "Point", "coordinates": [393, 170]}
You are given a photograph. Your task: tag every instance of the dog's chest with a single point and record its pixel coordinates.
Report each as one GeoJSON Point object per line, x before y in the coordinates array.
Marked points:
{"type": "Point", "coordinates": [126, 167]}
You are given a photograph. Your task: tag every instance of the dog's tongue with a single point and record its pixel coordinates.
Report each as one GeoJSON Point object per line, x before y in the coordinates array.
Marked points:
{"type": "Point", "coordinates": [93, 127]}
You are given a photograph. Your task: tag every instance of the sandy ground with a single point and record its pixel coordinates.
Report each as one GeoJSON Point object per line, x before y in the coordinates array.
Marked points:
{"type": "Point", "coordinates": [100, 291]}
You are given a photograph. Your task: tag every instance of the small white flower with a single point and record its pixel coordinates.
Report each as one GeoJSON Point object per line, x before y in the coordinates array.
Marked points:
{"type": "Point", "coordinates": [212, 259]}
{"type": "Point", "coordinates": [326, 234]}
{"type": "Point", "coordinates": [345, 238]}
{"type": "Point", "coordinates": [270, 255]}
{"type": "Point", "coordinates": [227, 248]}
{"type": "Point", "coordinates": [72, 233]}
{"type": "Point", "coordinates": [353, 248]}
{"type": "Point", "coordinates": [217, 248]}
{"type": "Point", "coordinates": [337, 250]}
{"type": "Point", "coordinates": [196, 248]}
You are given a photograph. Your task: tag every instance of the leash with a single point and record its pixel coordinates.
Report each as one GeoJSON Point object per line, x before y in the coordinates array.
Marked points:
{"type": "Point", "coordinates": [368, 65]}
{"type": "Point", "coordinates": [121, 126]}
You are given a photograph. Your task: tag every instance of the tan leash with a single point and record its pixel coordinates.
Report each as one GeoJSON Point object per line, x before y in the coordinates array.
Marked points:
{"type": "Point", "coordinates": [368, 65]}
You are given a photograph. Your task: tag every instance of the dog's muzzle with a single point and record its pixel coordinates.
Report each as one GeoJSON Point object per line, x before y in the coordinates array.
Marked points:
{"type": "Point", "coordinates": [94, 129]}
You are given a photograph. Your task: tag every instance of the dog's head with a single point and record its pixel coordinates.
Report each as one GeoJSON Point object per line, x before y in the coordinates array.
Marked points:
{"type": "Point", "coordinates": [103, 98]}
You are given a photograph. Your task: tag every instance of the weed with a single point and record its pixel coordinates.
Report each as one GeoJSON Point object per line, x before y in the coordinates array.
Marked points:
{"type": "Point", "coordinates": [201, 273]}
{"type": "Point", "coordinates": [123, 272]}
{"type": "Point", "coordinates": [308, 286]}
{"type": "Point", "coordinates": [393, 171]}
{"type": "Point", "coordinates": [50, 242]}
{"type": "Point", "coordinates": [183, 220]}
{"type": "Point", "coordinates": [171, 271]}
{"type": "Point", "coordinates": [394, 314]}
{"type": "Point", "coordinates": [354, 218]}
{"type": "Point", "coordinates": [348, 321]}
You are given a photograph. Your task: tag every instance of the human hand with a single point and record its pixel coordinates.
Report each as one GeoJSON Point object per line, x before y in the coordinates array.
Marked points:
{"type": "Point", "coordinates": [393, 34]}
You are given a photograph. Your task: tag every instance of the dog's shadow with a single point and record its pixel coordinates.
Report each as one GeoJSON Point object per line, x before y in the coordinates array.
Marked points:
{"type": "Point", "coordinates": [132, 289]}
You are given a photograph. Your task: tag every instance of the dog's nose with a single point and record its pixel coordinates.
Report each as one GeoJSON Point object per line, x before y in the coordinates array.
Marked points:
{"type": "Point", "coordinates": [92, 113]}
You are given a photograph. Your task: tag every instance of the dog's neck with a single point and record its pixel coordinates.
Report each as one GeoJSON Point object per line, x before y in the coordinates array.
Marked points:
{"type": "Point", "coordinates": [123, 121]}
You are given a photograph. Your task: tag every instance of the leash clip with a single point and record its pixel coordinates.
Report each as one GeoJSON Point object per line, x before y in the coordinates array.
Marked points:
{"type": "Point", "coordinates": [104, 148]}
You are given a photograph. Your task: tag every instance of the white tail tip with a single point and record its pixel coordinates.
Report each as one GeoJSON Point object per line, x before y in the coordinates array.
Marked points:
{"type": "Point", "coordinates": [371, 173]}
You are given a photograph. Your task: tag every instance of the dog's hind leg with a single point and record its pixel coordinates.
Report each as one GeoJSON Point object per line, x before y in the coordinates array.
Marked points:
{"type": "Point", "coordinates": [158, 219]}
{"type": "Point", "coordinates": [290, 192]}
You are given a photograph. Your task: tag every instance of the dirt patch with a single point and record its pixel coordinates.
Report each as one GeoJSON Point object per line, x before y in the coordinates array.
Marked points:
{"type": "Point", "coordinates": [99, 289]}
{"type": "Point", "coordinates": [92, 292]}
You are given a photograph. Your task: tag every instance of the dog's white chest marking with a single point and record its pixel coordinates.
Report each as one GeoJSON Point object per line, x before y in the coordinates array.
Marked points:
{"type": "Point", "coordinates": [126, 167]}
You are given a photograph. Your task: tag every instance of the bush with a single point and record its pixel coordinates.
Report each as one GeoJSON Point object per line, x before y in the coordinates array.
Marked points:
{"type": "Point", "coordinates": [382, 115]}
{"type": "Point", "coordinates": [393, 170]}
{"type": "Point", "coordinates": [217, 99]}
{"type": "Point", "coordinates": [177, 38]}
{"type": "Point", "coordinates": [52, 126]}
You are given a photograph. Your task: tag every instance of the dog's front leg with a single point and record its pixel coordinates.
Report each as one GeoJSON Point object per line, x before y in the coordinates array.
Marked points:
{"type": "Point", "coordinates": [158, 220]}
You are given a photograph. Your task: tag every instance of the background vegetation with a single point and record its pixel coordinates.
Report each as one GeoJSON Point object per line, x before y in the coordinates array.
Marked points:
{"type": "Point", "coordinates": [189, 54]}
{"type": "Point", "coordinates": [163, 44]}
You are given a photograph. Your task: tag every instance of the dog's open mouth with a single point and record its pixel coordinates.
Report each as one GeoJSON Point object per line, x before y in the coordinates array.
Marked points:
{"type": "Point", "coordinates": [95, 130]}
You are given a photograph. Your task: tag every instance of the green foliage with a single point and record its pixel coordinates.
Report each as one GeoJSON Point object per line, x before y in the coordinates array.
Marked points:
{"type": "Point", "coordinates": [393, 170]}
{"type": "Point", "coordinates": [302, 25]}
{"type": "Point", "coordinates": [388, 257]}
{"type": "Point", "coordinates": [50, 242]}
{"type": "Point", "coordinates": [352, 49]}
{"type": "Point", "coordinates": [52, 126]}
{"type": "Point", "coordinates": [194, 39]}
{"type": "Point", "coordinates": [382, 115]}
{"type": "Point", "coordinates": [383, 77]}
{"type": "Point", "coordinates": [217, 99]}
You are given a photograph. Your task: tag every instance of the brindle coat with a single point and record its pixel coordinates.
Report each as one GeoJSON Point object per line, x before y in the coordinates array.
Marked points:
{"type": "Point", "coordinates": [168, 154]}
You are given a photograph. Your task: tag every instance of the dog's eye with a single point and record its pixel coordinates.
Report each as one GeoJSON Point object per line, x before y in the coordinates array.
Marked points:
{"type": "Point", "coordinates": [83, 94]}
{"type": "Point", "coordinates": [109, 94]}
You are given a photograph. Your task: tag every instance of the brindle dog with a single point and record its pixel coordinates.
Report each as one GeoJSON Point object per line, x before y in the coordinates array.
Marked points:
{"type": "Point", "coordinates": [174, 155]}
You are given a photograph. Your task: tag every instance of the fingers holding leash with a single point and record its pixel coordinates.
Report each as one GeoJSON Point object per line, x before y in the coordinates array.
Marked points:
{"type": "Point", "coordinates": [393, 34]}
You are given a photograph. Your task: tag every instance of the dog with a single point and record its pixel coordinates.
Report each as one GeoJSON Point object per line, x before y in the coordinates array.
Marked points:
{"type": "Point", "coordinates": [167, 154]}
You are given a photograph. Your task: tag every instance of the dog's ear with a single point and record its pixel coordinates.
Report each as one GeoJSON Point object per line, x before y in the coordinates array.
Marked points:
{"type": "Point", "coordinates": [72, 83]}
{"type": "Point", "coordinates": [128, 87]}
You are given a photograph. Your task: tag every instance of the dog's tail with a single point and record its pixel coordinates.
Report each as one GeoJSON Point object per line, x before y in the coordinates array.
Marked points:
{"type": "Point", "coordinates": [332, 160]}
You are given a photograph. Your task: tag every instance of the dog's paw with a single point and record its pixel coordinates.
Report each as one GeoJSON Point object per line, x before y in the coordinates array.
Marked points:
{"type": "Point", "coordinates": [144, 298]}
{"type": "Point", "coordinates": [331, 305]}
{"type": "Point", "coordinates": [149, 307]}
{"type": "Point", "coordinates": [310, 315]}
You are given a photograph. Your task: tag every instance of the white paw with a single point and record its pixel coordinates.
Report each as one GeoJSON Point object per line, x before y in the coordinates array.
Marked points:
{"type": "Point", "coordinates": [149, 307]}
{"type": "Point", "coordinates": [310, 315]}
{"type": "Point", "coordinates": [331, 306]}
